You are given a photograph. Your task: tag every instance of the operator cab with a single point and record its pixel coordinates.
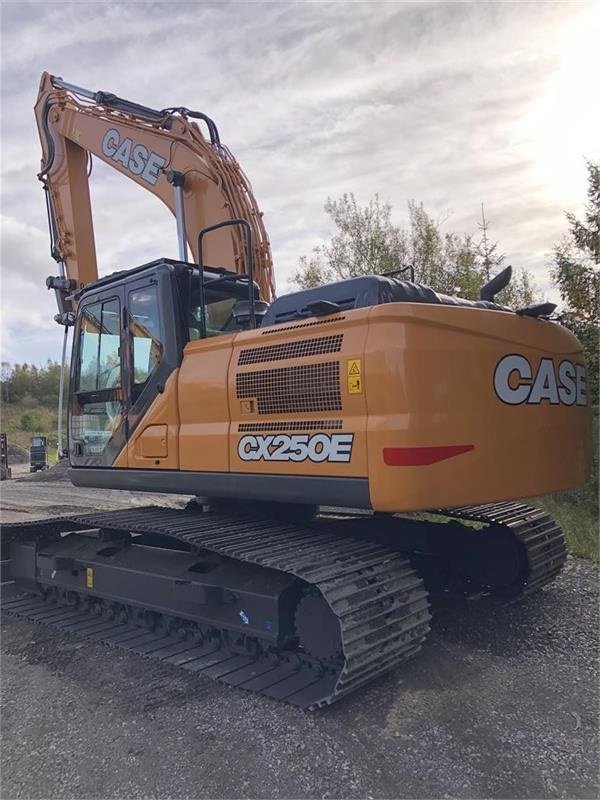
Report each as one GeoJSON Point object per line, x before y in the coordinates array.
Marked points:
{"type": "Point", "coordinates": [130, 332]}
{"type": "Point", "coordinates": [225, 302]}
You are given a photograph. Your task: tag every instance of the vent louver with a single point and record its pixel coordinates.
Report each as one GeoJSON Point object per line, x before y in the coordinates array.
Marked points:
{"type": "Point", "coordinates": [280, 328]}
{"type": "Point", "coordinates": [293, 390]}
{"type": "Point", "coordinates": [292, 425]}
{"type": "Point", "coordinates": [299, 348]}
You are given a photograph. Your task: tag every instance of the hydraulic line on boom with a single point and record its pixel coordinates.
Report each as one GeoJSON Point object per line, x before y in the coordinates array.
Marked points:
{"type": "Point", "coordinates": [165, 152]}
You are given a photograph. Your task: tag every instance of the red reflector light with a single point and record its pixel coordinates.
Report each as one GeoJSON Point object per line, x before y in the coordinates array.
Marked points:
{"type": "Point", "coordinates": [421, 456]}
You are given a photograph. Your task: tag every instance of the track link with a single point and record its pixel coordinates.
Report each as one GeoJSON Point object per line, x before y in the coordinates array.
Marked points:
{"type": "Point", "coordinates": [541, 540]}
{"type": "Point", "coordinates": [378, 599]}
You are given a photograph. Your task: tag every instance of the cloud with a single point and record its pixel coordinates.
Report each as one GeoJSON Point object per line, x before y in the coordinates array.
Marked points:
{"type": "Point", "coordinates": [451, 104]}
{"type": "Point", "coordinates": [27, 306]}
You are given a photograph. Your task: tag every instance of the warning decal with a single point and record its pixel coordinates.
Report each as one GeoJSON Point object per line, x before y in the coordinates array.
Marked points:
{"type": "Point", "coordinates": [354, 376]}
{"type": "Point", "coordinates": [89, 578]}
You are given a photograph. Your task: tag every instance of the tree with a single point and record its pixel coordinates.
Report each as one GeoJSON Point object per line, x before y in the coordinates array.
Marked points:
{"type": "Point", "coordinates": [576, 271]}
{"type": "Point", "coordinates": [587, 236]}
{"type": "Point", "coordinates": [366, 241]}
{"type": "Point", "coordinates": [5, 373]}
{"type": "Point", "coordinates": [26, 384]}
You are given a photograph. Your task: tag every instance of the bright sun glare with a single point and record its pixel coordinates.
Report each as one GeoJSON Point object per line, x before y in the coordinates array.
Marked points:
{"type": "Point", "coordinates": [565, 125]}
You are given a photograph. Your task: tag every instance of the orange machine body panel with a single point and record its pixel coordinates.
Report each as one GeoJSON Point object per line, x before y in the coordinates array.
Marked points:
{"type": "Point", "coordinates": [291, 380]}
{"type": "Point", "coordinates": [204, 405]}
{"type": "Point", "coordinates": [436, 406]}
{"type": "Point", "coordinates": [155, 441]}
{"type": "Point", "coordinates": [439, 432]}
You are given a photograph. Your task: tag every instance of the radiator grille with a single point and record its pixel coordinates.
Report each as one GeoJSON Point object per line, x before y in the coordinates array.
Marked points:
{"type": "Point", "coordinates": [297, 425]}
{"type": "Point", "coordinates": [295, 349]}
{"type": "Point", "coordinates": [279, 328]}
{"type": "Point", "coordinates": [293, 390]}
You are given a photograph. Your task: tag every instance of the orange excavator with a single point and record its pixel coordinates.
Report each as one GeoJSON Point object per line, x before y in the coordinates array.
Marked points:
{"type": "Point", "coordinates": [311, 425]}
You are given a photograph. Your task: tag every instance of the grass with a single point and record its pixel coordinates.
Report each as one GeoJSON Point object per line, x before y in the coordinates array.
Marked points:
{"type": "Point", "coordinates": [577, 511]}
{"type": "Point", "coordinates": [577, 514]}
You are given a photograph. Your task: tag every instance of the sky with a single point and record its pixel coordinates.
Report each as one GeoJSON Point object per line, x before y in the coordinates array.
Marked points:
{"type": "Point", "coordinates": [450, 104]}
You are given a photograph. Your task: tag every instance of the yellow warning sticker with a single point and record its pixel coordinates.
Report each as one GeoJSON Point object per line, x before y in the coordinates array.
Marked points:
{"type": "Point", "coordinates": [89, 577]}
{"type": "Point", "coordinates": [353, 370]}
{"type": "Point", "coordinates": [353, 367]}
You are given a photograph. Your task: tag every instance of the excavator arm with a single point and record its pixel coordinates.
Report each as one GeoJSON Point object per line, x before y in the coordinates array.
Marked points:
{"type": "Point", "coordinates": [164, 152]}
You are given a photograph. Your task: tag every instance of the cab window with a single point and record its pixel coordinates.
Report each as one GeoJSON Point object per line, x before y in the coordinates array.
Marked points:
{"type": "Point", "coordinates": [99, 347]}
{"type": "Point", "coordinates": [219, 315]}
{"type": "Point", "coordinates": [96, 411]}
{"type": "Point", "coordinates": [146, 340]}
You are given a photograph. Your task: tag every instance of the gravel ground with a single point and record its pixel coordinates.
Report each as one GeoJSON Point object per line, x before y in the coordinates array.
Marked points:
{"type": "Point", "coordinates": [502, 702]}
{"type": "Point", "coordinates": [37, 497]}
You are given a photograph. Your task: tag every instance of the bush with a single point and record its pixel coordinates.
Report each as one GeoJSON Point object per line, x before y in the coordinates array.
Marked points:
{"type": "Point", "coordinates": [31, 421]}
{"type": "Point", "coordinates": [577, 511]}
{"type": "Point", "coordinates": [28, 401]}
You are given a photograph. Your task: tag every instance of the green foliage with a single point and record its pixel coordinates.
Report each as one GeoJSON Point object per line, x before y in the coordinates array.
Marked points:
{"type": "Point", "coordinates": [30, 385]}
{"type": "Point", "coordinates": [28, 401]}
{"type": "Point", "coordinates": [577, 511]}
{"type": "Point", "coordinates": [31, 421]}
{"type": "Point", "coordinates": [586, 236]}
{"type": "Point", "coordinates": [29, 397]}
{"type": "Point", "coordinates": [578, 518]}
{"type": "Point", "coordinates": [521, 291]}
{"type": "Point", "coordinates": [12, 425]}
{"type": "Point", "coordinates": [367, 242]}
{"type": "Point", "coordinates": [577, 274]}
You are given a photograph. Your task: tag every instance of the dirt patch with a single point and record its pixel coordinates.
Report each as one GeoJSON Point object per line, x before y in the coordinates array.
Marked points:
{"type": "Point", "coordinates": [58, 472]}
{"type": "Point", "coordinates": [16, 454]}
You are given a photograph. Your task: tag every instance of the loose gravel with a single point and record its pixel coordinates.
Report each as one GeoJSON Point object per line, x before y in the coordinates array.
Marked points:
{"type": "Point", "coordinates": [502, 703]}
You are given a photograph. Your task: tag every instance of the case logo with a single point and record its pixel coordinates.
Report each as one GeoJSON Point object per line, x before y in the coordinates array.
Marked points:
{"type": "Point", "coordinates": [516, 382]}
{"type": "Point", "coordinates": [134, 157]}
{"type": "Point", "coordinates": [319, 447]}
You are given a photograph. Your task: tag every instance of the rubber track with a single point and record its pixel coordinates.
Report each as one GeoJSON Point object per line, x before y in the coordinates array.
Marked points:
{"type": "Point", "coordinates": [542, 540]}
{"type": "Point", "coordinates": [379, 600]}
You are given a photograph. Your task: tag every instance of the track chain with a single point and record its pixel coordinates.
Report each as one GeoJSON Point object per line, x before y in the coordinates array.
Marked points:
{"type": "Point", "coordinates": [379, 600]}
{"type": "Point", "coordinates": [542, 541]}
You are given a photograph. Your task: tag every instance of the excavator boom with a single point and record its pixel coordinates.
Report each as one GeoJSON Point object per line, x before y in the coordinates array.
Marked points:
{"type": "Point", "coordinates": [164, 152]}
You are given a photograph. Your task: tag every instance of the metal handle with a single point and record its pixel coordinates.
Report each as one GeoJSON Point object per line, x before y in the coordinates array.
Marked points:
{"type": "Point", "coordinates": [249, 268]}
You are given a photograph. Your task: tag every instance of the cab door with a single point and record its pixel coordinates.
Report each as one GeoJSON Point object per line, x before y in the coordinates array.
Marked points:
{"type": "Point", "coordinates": [152, 415]}
{"type": "Point", "coordinates": [98, 406]}
{"type": "Point", "coordinates": [128, 344]}
{"type": "Point", "coordinates": [157, 330]}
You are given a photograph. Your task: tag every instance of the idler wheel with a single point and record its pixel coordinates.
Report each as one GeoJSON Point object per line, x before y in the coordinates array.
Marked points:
{"type": "Point", "coordinates": [317, 627]}
{"type": "Point", "coordinates": [493, 558]}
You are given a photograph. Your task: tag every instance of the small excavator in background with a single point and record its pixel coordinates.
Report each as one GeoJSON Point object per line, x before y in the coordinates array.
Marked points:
{"type": "Point", "coordinates": [311, 424]}
{"type": "Point", "coordinates": [38, 453]}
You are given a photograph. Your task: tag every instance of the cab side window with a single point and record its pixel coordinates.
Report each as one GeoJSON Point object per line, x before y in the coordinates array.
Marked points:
{"type": "Point", "coordinates": [96, 410]}
{"type": "Point", "coordinates": [145, 333]}
{"type": "Point", "coordinates": [99, 353]}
